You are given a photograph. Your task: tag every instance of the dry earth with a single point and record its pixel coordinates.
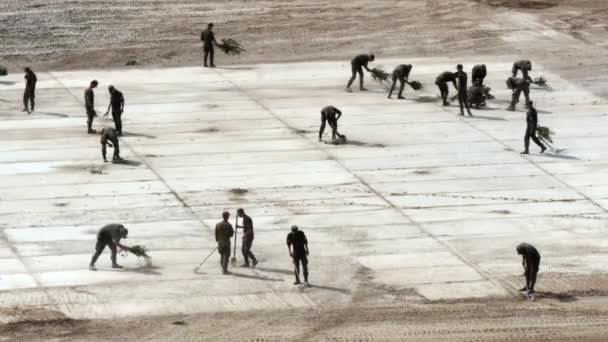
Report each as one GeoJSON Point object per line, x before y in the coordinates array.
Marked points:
{"type": "Point", "coordinates": [569, 36]}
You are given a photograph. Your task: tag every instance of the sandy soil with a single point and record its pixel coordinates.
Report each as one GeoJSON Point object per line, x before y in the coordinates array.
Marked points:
{"type": "Point", "coordinates": [569, 36]}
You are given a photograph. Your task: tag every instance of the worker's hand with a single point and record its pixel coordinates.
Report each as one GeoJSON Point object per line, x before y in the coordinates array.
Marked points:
{"type": "Point", "coordinates": [291, 254]}
{"type": "Point", "coordinates": [110, 145]}
{"type": "Point", "coordinates": [106, 113]}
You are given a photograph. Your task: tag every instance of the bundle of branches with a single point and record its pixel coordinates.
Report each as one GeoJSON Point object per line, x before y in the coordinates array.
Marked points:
{"type": "Point", "coordinates": [416, 85]}
{"type": "Point", "coordinates": [231, 47]}
{"type": "Point", "coordinates": [139, 251]}
{"type": "Point", "coordinates": [540, 81]}
{"type": "Point", "coordinates": [379, 75]}
{"type": "Point", "coordinates": [545, 134]}
{"type": "Point", "coordinates": [3, 70]}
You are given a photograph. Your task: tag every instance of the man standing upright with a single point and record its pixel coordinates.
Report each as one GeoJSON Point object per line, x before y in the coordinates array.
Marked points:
{"type": "Point", "coordinates": [30, 90]}
{"type": "Point", "coordinates": [299, 254]}
{"type": "Point", "coordinates": [247, 238]}
{"type": "Point", "coordinates": [461, 78]}
{"type": "Point", "coordinates": [117, 104]}
{"type": "Point", "coordinates": [531, 126]}
{"type": "Point", "coordinates": [223, 233]}
{"type": "Point", "coordinates": [89, 105]}
{"type": "Point", "coordinates": [208, 39]}
{"type": "Point", "coordinates": [401, 73]}
{"type": "Point", "coordinates": [531, 263]}
{"type": "Point", "coordinates": [357, 65]}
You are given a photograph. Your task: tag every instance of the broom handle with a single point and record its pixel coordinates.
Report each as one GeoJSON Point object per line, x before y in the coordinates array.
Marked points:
{"type": "Point", "coordinates": [236, 222]}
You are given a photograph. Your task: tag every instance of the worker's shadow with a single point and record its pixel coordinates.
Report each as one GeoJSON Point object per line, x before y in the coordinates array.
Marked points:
{"type": "Point", "coordinates": [132, 134]}
{"type": "Point", "coordinates": [239, 68]}
{"type": "Point", "coordinates": [147, 270]}
{"type": "Point", "coordinates": [557, 153]}
{"type": "Point", "coordinates": [7, 83]}
{"type": "Point", "coordinates": [127, 162]}
{"type": "Point", "coordinates": [491, 118]}
{"type": "Point", "coordinates": [329, 288]}
{"type": "Point", "coordinates": [255, 277]}
{"type": "Point", "coordinates": [274, 270]}
{"type": "Point", "coordinates": [59, 115]}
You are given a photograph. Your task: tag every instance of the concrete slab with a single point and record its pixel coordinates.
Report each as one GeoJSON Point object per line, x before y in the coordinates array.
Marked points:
{"type": "Point", "coordinates": [419, 198]}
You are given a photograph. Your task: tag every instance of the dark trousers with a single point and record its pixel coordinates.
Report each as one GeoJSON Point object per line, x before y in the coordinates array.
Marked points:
{"type": "Point", "coordinates": [517, 92]}
{"type": "Point", "coordinates": [116, 115]}
{"type": "Point", "coordinates": [297, 260]}
{"type": "Point", "coordinates": [116, 155]}
{"type": "Point", "coordinates": [531, 134]}
{"type": "Point", "coordinates": [28, 99]}
{"type": "Point", "coordinates": [401, 87]}
{"type": "Point", "coordinates": [90, 118]}
{"type": "Point", "coordinates": [531, 273]}
{"type": "Point", "coordinates": [246, 249]}
{"type": "Point", "coordinates": [462, 100]}
{"type": "Point", "coordinates": [332, 123]}
{"type": "Point", "coordinates": [356, 69]}
{"type": "Point", "coordinates": [208, 53]}
{"type": "Point", "coordinates": [443, 91]}
{"type": "Point", "coordinates": [224, 256]}
{"type": "Point", "coordinates": [100, 246]}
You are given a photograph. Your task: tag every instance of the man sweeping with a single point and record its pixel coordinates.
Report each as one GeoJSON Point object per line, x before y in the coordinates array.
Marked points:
{"type": "Point", "coordinates": [462, 87]}
{"type": "Point", "coordinates": [401, 73]}
{"type": "Point", "coordinates": [297, 244]}
{"type": "Point", "coordinates": [109, 137]}
{"type": "Point", "coordinates": [525, 66]}
{"type": "Point", "coordinates": [357, 65]}
{"type": "Point", "coordinates": [331, 115]}
{"type": "Point", "coordinates": [208, 39]}
{"type": "Point", "coordinates": [89, 105]}
{"type": "Point", "coordinates": [531, 263]}
{"type": "Point", "coordinates": [531, 127]}
{"type": "Point", "coordinates": [109, 235]}
{"type": "Point", "coordinates": [30, 90]}
{"type": "Point", "coordinates": [518, 85]}
{"type": "Point", "coordinates": [247, 225]}
{"type": "Point", "coordinates": [117, 104]}
{"type": "Point", "coordinates": [223, 233]}
{"type": "Point", "coordinates": [442, 83]}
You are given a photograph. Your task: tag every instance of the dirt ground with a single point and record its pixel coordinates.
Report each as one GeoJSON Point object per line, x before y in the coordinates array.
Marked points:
{"type": "Point", "coordinates": [568, 36]}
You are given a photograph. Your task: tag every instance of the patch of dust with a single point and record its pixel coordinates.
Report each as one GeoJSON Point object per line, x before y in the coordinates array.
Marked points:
{"type": "Point", "coordinates": [522, 4]}
{"type": "Point", "coordinates": [504, 212]}
{"type": "Point", "coordinates": [238, 191]}
{"type": "Point", "coordinates": [422, 172]}
{"type": "Point", "coordinates": [208, 130]}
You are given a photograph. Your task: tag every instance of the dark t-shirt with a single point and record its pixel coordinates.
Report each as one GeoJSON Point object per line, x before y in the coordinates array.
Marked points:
{"type": "Point", "coordinates": [298, 241]}
{"type": "Point", "coordinates": [402, 71]}
{"type": "Point", "coordinates": [446, 76]}
{"type": "Point", "coordinates": [109, 134]}
{"type": "Point", "coordinates": [517, 83]}
{"type": "Point", "coordinates": [223, 233]}
{"type": "Point", "coordinates": [89, 99]}
{"type": "Point", "coordinates": [111, 232]}
{"type": "Point", "coordinates": [247, 228]}
{"type": "Point", "coordinates": [116, 100]}
{"type": "Point", "coordinates": [532, 119]}
{"type": "Point", "coordinates": [479, 71]}
{"type": "Point", "coordinates": [30, 80]}
{"type": "Point", "coordinates": [208, 38]}
{"type": "Point", "coordinates": [329, 113]}
{"type": "Point", "coordinates": [529, 252]}
{"type": "Point", "coordinates": [360, 61]}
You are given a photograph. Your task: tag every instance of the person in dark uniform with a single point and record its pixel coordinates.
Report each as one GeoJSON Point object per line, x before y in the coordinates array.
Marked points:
{"type": "Point", "coordinates": [117, 104]}
{"type": "Point", "coordinates": [331, 115]}
{"type": "Point", "coordinates": [518, 86]}
{"type": "Point", "coordinates": [30, 91]}
{"type": "Point", "coordinates": [525, 66]}
{"type": "Point", "coordinates": [531, 264]}
{"type": "Point", "coordinates": [247, 238]}
{"type": "Point", "coordinates": [209, 42]}
{"type": "Point", "coordinates": [442, 83]}
{"type": "Point", "coordinates": [478, 73]}
{"type": "Point", "coordinates": [401, 73]}
{"type": "Point", "coordinates": [462, 87]}
{"type": "Point", "coordinates": [357, 65]}
{"type": "Point", "coordinates": [476, 95]}
{"type": "Point", "coordinates": [297, 244]}
{"type": "Point", "coordinates": [109, 137]}
{"type": "Point", "coordinates": [223, 233]}
{"type": "Point", "coordinates": [531, 126]}
{"type": "Point", "coordinates": [109, 235]}
{"type": "Point", "coordinates": [89, 104]}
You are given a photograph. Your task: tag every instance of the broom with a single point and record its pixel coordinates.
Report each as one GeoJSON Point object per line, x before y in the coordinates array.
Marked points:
{"type": "Point", "coordinates": [540, 81]}
{"type": "Point", "coordinates": [545, 135]}
{"type": "Point", "coordinates": [233, 259]}
{"type": "Point", "coordinates": [379, 75]}
{"type": "Point", "coordinates": [416, 85]}
{"type": "Point", "coordinates": [140, 252]}
{"type": "Point", "coordinates": [231, 47]}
